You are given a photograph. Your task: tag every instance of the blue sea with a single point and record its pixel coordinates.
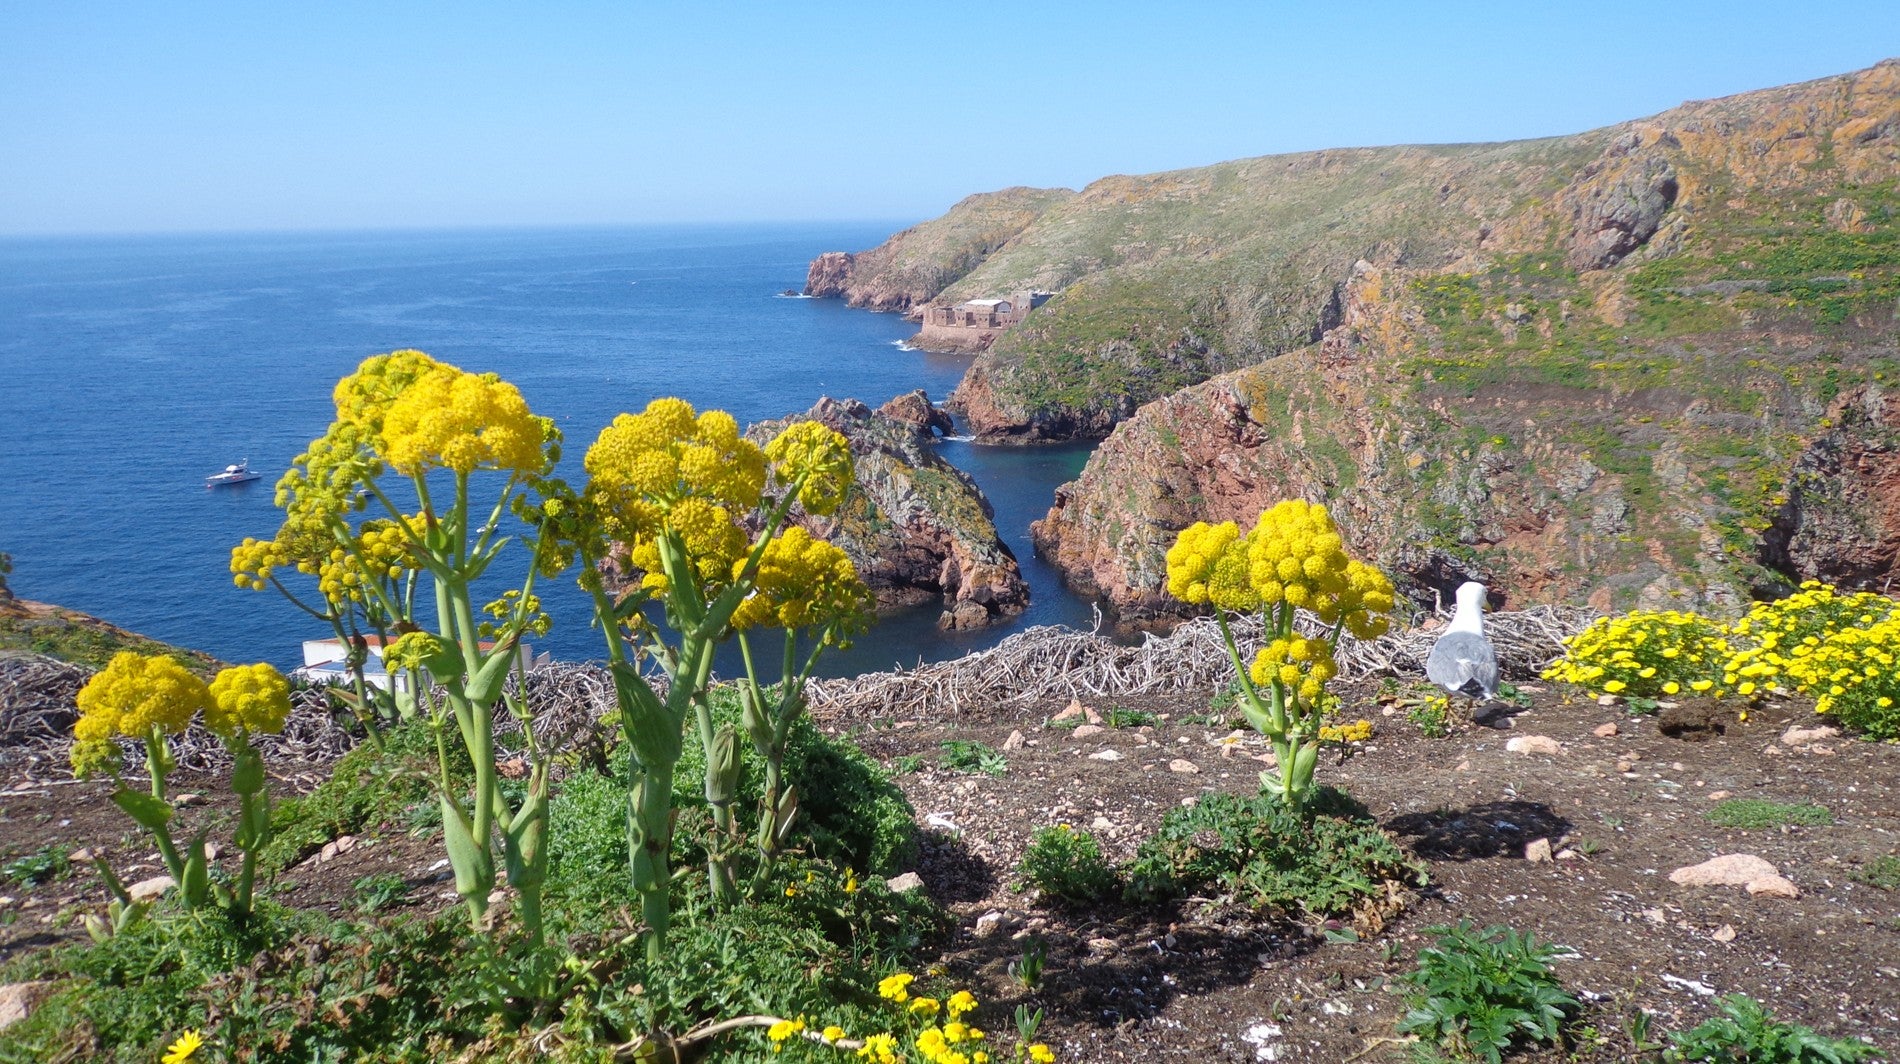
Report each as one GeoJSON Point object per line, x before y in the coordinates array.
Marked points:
{"type": "Point", "coordinates": [132, 367]}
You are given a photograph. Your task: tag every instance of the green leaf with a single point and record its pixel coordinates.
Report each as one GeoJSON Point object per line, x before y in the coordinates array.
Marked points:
{"type": "Point", "coordinates": [151, 813]}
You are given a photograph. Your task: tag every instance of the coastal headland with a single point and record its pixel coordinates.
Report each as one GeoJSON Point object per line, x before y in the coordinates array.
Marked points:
{"type": "Point", "coordinates": [1645, 364]}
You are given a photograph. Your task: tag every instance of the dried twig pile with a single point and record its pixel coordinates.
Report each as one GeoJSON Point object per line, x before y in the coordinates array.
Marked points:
{"type": "Point", "coordinates": [574, 702]}
{"type": "Point", "coordinates": [1054, 663]}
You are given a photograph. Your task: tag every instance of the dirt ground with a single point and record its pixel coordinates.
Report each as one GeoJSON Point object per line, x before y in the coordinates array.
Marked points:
{"type": "Point", "coordinates": [1209, 982]}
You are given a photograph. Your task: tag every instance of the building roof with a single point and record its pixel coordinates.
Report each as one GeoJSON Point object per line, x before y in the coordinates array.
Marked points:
{"type": "Point", "coordinates": [983, 302]}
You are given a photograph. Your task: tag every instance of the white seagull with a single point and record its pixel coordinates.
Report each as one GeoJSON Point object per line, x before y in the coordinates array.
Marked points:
{"type": "Point", "coordinates": [1463, 661]}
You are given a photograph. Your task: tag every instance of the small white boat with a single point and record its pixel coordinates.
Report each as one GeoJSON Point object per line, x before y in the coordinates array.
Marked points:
{"type": "Point", "coordinates": [241, 473]}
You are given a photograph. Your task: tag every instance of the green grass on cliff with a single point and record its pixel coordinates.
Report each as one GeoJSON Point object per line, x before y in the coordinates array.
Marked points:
{"type": "Point", "coordinates": [83, 640]}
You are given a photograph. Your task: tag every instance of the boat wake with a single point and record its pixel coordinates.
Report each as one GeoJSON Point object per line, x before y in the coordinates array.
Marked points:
{"type": "Point", "coordinates": [792, 295]}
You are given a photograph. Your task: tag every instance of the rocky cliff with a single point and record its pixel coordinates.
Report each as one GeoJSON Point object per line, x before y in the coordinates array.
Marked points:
{"type": "Point", "coordinates": [918, 529]}
{"type": "Point", "coordinates": [916, 264]}
{"type": "Point", "coordinates": [1165, 280]}
{"type": "Point", "coordinates": [1657, 439]}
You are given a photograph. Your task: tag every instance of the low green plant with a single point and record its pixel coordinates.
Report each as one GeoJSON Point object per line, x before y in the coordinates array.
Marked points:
{"type": "Point", "coordinates": [1325, 860]}
{"type": "Point", "coordinates": [149, 700]}
{"type": "Point", "coordinates": [1882, 872]}
{"type": "Point", "coordinates": [368, 786]}
{"type": "Point", "coordinates": [1758, 813]}
{"type": "Point", "coordinates": [378, 891]}
{"type": "Point", "coordinates": [1432, 716]}
{"type": "Point", "coordinates": [1477, 995]}
{"type": "Point", "coordinates": [971, 757]}
{"type": "Point", "coordinates": [1118, 717]}
{"type": "Point", "coordinates": [1744, 1033]}
{"type": "Point", "coordinates": [906, 764]}
{"type": "Point", "coordinates": [47, 862]}
{"type": "Point", "coordinates": [1027, 969]}
{"type": "Point", "coordinates": [1066, 865]}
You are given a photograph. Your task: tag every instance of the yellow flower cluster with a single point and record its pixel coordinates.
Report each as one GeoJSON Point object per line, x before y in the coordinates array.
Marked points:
{"type": "Point", "coordinates": [804, 582]}
{"type": "Point", "coordinates": [413, 650]}
{"type": "Point", "coordinates": [452, 419]}
{"type": "Point", "coordinates": [248, 699]}
{"type": "Point", "coordinates": [1356, 732]}
{"type": "Point", "coordinates": [1844, 650]}
{"type": "Point", "coordinates": [644, 464]}
{"type": "Point", "coordinates": [1296, 664]}
{"type": "Point", "coordinates": [946, 1041]}
{"type": "Point", "coordinates": [139, 696]}
{"type": "Point", "coordinates": [1294, 555]}
{"type": "Point", "coordinates": [668, 469]}
{"type": "Point", "coordinates": [1646, 654]}
{"type": "Point", "coordinates": [819, 455]}
{"type": "Point", "coordinates": [507, 606]}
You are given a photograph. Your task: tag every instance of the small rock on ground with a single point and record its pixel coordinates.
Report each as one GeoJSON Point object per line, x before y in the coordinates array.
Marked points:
{"type": "Point", "coordinates": [1798, 736]}
{"type": "Point", "coordinates": [1088, 731]}
{"type": "Point", "coordinates": [1726, 870]}
{"type": "Point", "coordinates": [1604, 731]}
{"type": "Point", "coordinates": [1534, 744]}
{"type": "Point", "coordinates": [17, 1000]}
{"type": "Point", "coordinates": [148, 889]}
{"type": "Point", "coordinates": [1183, 766]}
{"type": "Point", "coordinates": [1772, 887]}
{"type": "Point", "coordinates": [1015, 740]}
{"type": "Point", "coordinates": [1106, 755]}
{"type": "Point", "coordinates": [907, 882]}
{"type": "Point", "coordinates": [1538, 851]}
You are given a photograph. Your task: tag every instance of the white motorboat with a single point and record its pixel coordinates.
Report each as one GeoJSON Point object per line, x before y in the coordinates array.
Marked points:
{"type": "Point", "coordinates": [241, 473]}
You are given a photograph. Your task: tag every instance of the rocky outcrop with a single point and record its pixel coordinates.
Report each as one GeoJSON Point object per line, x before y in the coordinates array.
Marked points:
{"type": "Point", "coordinates": [829, 276]}
{"type": "Point", "coordinates": [1485, 427]}
{"type": "Point", "coordinates": [915, 409]}
{"type": "Point", "coordinates": [918, 529]}
{"type": "Point", "coordinates": [913, 266]}
{"type": "Point", "coordinates": [1840, 522]}
{"type": "Point", "coordinates": [1619, 200]}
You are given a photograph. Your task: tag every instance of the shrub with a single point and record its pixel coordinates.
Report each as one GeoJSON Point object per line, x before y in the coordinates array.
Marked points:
{"type": "Point", "coordinates": [1646, 654]}
{"type": "Point", "coordinates": [1755, 813]}
{"type": "Point", "coordinates": [1744, 1033]}
{"type": "Point", "coordinates": [1066, 865]}
{"type": "Point", "coordinates": [1325, 860]}
{"type": "Point", "coordinates": [1477, 994]}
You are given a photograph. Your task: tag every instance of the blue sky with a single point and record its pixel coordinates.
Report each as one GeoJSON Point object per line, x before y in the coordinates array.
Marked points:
{"type": "Point", "coordinates": [189, 115]}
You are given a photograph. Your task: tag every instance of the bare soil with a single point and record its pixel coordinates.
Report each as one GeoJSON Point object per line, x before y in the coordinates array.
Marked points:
{"type": "Point", "coordinates": [1212, 982]}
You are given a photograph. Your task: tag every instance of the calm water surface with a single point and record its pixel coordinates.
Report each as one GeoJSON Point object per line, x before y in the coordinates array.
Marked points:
{"type": "Point", "coordinates": [132, 367]}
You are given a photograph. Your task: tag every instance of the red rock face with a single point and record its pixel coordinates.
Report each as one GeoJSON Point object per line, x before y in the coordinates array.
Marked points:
{"type": "Point", "coordinates": [829, 276]}
{"type": "Point", "coordinates": [1841, 524]}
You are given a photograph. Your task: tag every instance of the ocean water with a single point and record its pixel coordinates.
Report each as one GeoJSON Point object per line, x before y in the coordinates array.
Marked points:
{"type": "Point", "coordinates": [132, 367]}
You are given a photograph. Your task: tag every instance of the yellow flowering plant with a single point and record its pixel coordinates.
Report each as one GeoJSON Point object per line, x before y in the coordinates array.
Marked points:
{"type": "Point", "coordinates": [700, 513]}
{"type": "Point", "coordinates": [1292, 562]}
{"type": "Point", "coordinates": [807, 586]}
{"type": "Point", "coordinates": [151, 698]}
{"type": "Point", "coordinates": [409, 424]}
{"type": "Point", "coordinates": [1646, 654]}
{"type": "Point", "coordinates": [1842, 649]}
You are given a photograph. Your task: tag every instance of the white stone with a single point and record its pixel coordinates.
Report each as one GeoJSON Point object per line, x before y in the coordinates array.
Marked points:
{"type": "Point", "coordinates": [1088, 731]}
{"type": "Point", "coordinates": [1106, 755]}
{"type": "Point", "coordinates": [147, 889]}
{"type": "Point", "coordinates": [17, 1000]}
{"type": "Point", "coordinates": [1797, 736]}
{"type": "Point", "coordinates": [1534, 744]}
{"type": "Point", "coordinates": [909, 881]}
{"type": "Point", "coordinates": [1726, 870]}
{"type": "Point", "coordinates": [989, 924]}
{"type": "Point", "coordinates": [1183, 766]}
{"type": "Point", "coordinates": [1538, 851]}
{"type": "Point", "coordinates": [1772, 887]}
